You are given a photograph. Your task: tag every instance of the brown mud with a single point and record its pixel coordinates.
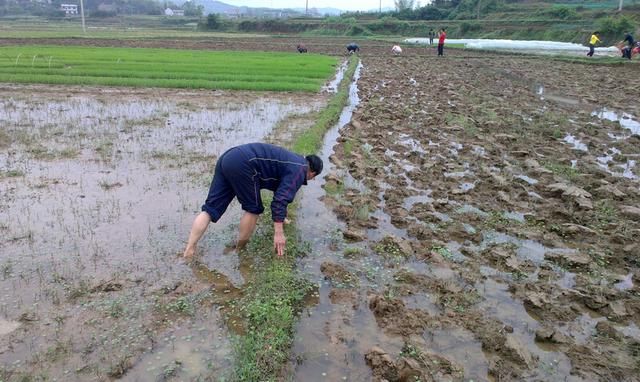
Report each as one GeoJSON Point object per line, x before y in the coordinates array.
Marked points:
{"type": "Point", "coordinates": [487, 208]}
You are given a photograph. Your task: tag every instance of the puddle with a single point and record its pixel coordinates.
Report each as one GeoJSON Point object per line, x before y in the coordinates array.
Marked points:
{"type": "Point", "coordinates": [526, 249]}
{"type": "Point", "coordinates": [7, 327]}
{"type": "Point", "coordinates": [332, 86]}
{"type": "Point", "coordinates": [411, 143]}
{"type": "Point", "coordinates": [461, 347]}
{"type": "Point", "coordinates": [627, 121]}
{"type": "Point", "coordinates": [469, 209]}
{"type": "Point", "coordinates": [624, 170]}
{"type": "Point", "coordinates": [516, 216]}
{"type": "Point", "coordinates": [626, 283]}
{"type": "Point", "coordinates": [410, 201]}
{"type": "Point", "coordinates": [499, 304]}
{"type": "Point", "coordinates": [527, 179]}
{"type": "Point", "coordinates": [112, 181]}
{"type": "Point", "coordinates": [467, 186]}
{"type": "Point", "coordinates": [573, 141]}
{"type": "Point", "coordinates": [457, 174]}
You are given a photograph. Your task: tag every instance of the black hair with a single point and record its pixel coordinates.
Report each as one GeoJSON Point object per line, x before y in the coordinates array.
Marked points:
{"type": "Point", "coordinates": [315, 163]}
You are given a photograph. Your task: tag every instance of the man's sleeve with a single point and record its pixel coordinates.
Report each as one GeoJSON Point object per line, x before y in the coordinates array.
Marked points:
{"type": "Point", "coordinates": [286, 192]}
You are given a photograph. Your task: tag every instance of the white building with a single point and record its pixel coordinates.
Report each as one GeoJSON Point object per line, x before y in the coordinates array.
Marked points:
{"type": "Point", "coordinates": [69, 9]}
{"type": "Point", "coordinates": [173, 12]}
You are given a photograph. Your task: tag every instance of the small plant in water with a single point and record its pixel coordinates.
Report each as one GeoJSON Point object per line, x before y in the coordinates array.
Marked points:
{"type": "Point", "coordinates": [443, 251]}
{"type": "Point", "coordinates": [171, 369]}
{"type": "Point", "coordinates": [409, 350]}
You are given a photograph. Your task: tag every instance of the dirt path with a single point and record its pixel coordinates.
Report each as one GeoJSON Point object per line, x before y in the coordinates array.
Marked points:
{"type": "Point", "coordinates": [487, 226]}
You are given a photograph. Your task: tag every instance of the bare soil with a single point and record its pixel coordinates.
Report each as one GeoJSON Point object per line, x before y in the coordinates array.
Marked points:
{"type": "Point", "coordinates": [489, 207]}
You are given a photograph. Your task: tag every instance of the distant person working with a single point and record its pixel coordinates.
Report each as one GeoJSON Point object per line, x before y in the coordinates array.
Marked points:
{"type": "Point", "coordinates": [243, 171]}
{"type": "Point", "coordinates": [353, 48]}
{"type": "Point", "coordinates": [626, 50]}
{"type": "Point", "coordinates": [592, 42]}
{"type": "Point", "coordinates": [441, 37]}
{"type": "Point", "coordinates": [432, 34]}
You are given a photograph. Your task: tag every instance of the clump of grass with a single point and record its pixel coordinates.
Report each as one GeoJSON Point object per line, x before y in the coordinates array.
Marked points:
{"type": "Point", "coordinates": [563, 170]}
{"type": "Point", "coordinates": [497, 219]}
{"type": "Point", "coordinates": [183, 305]}
{"type": "Point", "coordinates": [11, 174]}
{"type": "Point", "coordinates": [5, 139]}
{"type": "Point", "coordinates": [604, 213]}
{"type": "Point", "coordinates": [353, 253]}
{"type": "Point", "coordinates": [269, 307]}
{"type": "Point", "coordinates": [443, 251]}
{"type": "Point", "coordinates": [389, 248]}
{"type": "Point", "coordinates": [310, 141]}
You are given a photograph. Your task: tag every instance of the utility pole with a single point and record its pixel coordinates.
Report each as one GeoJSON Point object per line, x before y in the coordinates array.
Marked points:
{"type": "Point", "coordinates": [478, 10]}
{"type": "Point", "coordinates": [84, 30]}
{"type": "Point", "coordinates": [380, 9]}
{"type": "Point", "coordinates": [620, 5]}
{"type": "Point", "coordinates": [306, 10]}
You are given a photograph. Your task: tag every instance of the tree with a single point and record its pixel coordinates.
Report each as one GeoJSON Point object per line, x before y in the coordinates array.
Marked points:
{"type": "Point", "coordinates": [192, 9]}
{"type": "Point", "coordinates": [213, 21]}
{"type": "Point", "coordinates": [402, 5]}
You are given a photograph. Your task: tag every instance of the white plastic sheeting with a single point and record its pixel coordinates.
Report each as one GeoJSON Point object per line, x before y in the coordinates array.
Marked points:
{"type": "Point", "coordinates": [530, 46]}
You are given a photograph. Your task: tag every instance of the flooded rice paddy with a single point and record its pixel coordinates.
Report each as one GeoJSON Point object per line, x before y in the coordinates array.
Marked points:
{"type": "Point", "coordinates": [99, 188]}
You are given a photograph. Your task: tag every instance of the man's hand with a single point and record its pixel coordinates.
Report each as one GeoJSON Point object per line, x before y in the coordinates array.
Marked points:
{"type": "Point", "coordinates": [279, 240]}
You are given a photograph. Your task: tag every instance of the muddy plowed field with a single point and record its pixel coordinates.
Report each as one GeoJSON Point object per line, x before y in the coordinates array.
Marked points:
{"type": "Point", "coordinates": [488, 217]}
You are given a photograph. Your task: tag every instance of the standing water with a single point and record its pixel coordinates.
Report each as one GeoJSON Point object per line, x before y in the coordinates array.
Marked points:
{"type": "Point", "coordinates": [326, 347]}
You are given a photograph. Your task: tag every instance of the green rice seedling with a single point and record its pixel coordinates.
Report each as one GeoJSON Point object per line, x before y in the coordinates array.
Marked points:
{"type": "Point", "coordinates": [171, 68]}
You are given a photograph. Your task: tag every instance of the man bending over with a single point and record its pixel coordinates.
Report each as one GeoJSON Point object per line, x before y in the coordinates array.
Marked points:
{"type": "Point", "coordinates": [242, 172]}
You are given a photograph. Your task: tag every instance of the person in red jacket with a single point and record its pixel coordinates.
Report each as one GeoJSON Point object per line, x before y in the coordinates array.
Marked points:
{"type": "Point", "coordinates": [441, 37]}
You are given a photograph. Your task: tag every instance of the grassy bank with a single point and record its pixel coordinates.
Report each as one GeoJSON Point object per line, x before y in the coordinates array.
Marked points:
{"type": "Point", "coordinates": [172, 68]}
{"type": "Point", "coordinates": [275, 295]}
{"type": "Point", "coordinates": [310, 141]}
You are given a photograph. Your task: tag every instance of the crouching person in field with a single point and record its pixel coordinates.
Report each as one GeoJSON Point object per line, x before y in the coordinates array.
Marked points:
{"type": "Point", "coordinates": [353, 48]}
{"type": "Point", "coordinates": [301, 48]}
{"type": "Point", "coordinates": [396, 50]}
{"type": "Point", "coordinates": [242, 172]}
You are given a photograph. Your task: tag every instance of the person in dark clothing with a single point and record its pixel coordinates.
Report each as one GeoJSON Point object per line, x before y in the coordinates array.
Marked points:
{"type": "Point", "coordinates": [301, 48]}
{"type": "Point", "coordinates": [626, 46]}
{"type": "Point", "coordinates": [242, 172]}
{"type": "Point", "coordinates": [442, 36]}
{"type": "Point", "coordinates": [432, 34]}
{"type": "Point", "coordinates": [353, 48]}
{"type": "Point", "coordinates": [626, 51]}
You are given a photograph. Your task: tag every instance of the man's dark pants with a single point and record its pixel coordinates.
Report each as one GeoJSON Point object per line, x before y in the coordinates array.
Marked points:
{"type": "Point", "coordinates": [591, 49]}
{"type": "Point", "coordinates": [440, 49]}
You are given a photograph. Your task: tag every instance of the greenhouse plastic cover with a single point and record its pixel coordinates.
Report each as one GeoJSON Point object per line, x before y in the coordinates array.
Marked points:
{"type": "Point", "coordinates": [528, 45]}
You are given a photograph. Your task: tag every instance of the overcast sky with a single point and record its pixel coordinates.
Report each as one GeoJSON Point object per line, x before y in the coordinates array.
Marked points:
{"type": "Point", "coordinates": [351, 5]}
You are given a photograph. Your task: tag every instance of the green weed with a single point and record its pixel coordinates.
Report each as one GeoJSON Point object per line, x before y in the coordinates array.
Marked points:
{"type": "Point", "coordinates": [311, 140]}
{"type": "Point", "coordinates": [563, 170]}
{"type": "Point", "coordinates": [443, 251]}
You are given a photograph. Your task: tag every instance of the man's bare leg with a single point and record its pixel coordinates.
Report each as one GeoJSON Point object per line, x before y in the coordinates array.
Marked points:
{"type": "Point", "coordinates": [247, 225]}
{"type": "Point", "coordinates": [200, 225]}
